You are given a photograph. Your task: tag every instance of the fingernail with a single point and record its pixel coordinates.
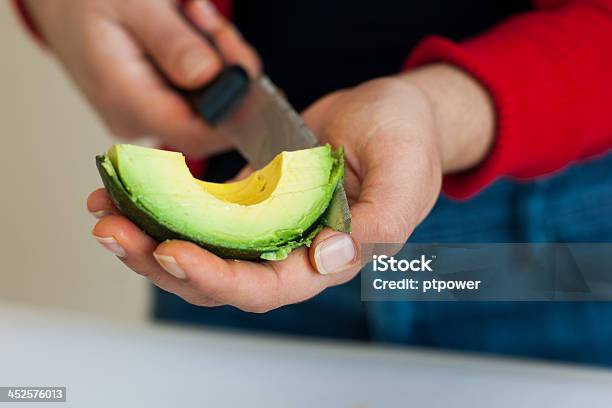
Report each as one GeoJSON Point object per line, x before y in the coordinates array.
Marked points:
{"type": "Point", "coordinates": [193, 63]}
{"type": "Point", "coordinates": [100, 214]}
{"type": "Point", "coordinates": [209, 16]}
{"type": "Point", "coordinates": [170, 265]}
{"type": "Point", "coordinates": [112, 245]}
{"type": "Point", "coordinates": [335, 254]}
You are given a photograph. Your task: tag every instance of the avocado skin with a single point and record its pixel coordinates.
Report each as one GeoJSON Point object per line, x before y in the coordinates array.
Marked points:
{"type": "Point", "coordinates": [148, 223]}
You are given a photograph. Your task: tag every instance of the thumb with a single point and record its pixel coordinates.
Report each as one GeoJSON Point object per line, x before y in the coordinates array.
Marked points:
{"type": "Point", "coordinates": [386, 212]}
{"type": "Point", "coordinates": [400, 183]}
{"type": "Point", "coordinates": [332, 252]}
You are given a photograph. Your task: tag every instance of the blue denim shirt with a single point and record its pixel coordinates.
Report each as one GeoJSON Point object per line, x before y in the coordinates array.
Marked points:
{"type": "Point", "coordinates": [572, 206]}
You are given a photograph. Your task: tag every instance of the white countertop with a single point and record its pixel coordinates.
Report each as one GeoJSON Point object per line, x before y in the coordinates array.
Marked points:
{"type": "Point", "coordinates": [105, 364]}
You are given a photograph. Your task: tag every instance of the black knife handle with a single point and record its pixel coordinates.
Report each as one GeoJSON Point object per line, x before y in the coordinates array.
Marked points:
{"type": "Point", "coordinates": [218, 98]}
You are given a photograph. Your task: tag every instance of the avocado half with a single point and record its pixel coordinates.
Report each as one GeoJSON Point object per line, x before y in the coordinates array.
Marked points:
{"type": "Point", "coordinates": [266, 215]}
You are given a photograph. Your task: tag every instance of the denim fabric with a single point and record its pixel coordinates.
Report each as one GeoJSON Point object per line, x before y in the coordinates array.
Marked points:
{"type": "Point", "coordinates": [572, 206]}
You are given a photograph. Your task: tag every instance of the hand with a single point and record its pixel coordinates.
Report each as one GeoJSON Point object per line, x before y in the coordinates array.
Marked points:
{"type": "Point", "coordinates": [396, 155]}
{"type": "Point", "coordinates": [114, 50]}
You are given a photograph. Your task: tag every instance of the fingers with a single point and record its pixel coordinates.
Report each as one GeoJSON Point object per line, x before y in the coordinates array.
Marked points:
{"type": "Point", "coordinates": [389, 207]}
{"type": "Point", "coordinates": [111, 57]}
{"type": "Point", "coordinates": [132, 246]}
{"type": "Point", "coordinates": [232, 46]}
{"type": "Point", "coordinates": [135, 102]}
{"type": "Point", "coordinates": [184, 56]}
{"type": "Point", "coordinates": [100, 205]}
{"type": "Point", "coordinates": [126, 241]}
{"type": "Point", "coordinates": [129, 92]}
{"type": "Point", "coordinates": [136, 250]}
{"type": "Point", "coordinates": [393, 168]}
{"type": "Point", "coordinates": [381, 215]}
{"type": "Point", "coordinates": [378, 202]}
{"type": "Point", "coordinates": [250, 286]}
{"type": "Point", "coordinates": [215, 277]}
{"type": "Point", "coordinates": [203, 278]}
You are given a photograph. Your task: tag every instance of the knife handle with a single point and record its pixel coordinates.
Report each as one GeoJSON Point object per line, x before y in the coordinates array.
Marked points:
{"type": "Point", "coordinates": [218, 98]}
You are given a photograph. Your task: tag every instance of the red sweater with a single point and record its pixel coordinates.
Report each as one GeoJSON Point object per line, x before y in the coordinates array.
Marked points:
{"type": "Point", "coordinates": [549, 73]}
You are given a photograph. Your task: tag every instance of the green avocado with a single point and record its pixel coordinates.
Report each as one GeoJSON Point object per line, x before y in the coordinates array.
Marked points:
{"type": "Point", "coordinates": [266, 215]}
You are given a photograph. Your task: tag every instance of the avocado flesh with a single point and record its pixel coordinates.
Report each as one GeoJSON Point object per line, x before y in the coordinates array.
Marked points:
{"type": "Point", "coordinates": [266, 215]}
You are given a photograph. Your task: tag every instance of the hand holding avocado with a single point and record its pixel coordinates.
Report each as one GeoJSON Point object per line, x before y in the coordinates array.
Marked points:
{"type": "Point", "coordinates": [396, 148]}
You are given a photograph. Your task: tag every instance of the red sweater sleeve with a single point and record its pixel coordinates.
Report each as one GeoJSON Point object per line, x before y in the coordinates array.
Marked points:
{"type": "Point", "coordinates": [549, 73]}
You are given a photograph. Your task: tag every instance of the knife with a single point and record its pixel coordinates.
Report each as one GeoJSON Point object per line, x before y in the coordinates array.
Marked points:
{"type": "Point", "coordinates": [260, 123]}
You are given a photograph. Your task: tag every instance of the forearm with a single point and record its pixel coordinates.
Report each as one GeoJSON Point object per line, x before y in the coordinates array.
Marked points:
{"type": "Point", "coordinates": [462, 111]}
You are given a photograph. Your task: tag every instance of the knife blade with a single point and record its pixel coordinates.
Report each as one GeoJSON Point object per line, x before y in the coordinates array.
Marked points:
{"type": "Point", "coordinates": [262, 124]}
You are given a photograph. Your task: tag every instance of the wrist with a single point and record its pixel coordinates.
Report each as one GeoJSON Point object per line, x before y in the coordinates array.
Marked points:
{"type": "Point", "coordinates": [463, 114]}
